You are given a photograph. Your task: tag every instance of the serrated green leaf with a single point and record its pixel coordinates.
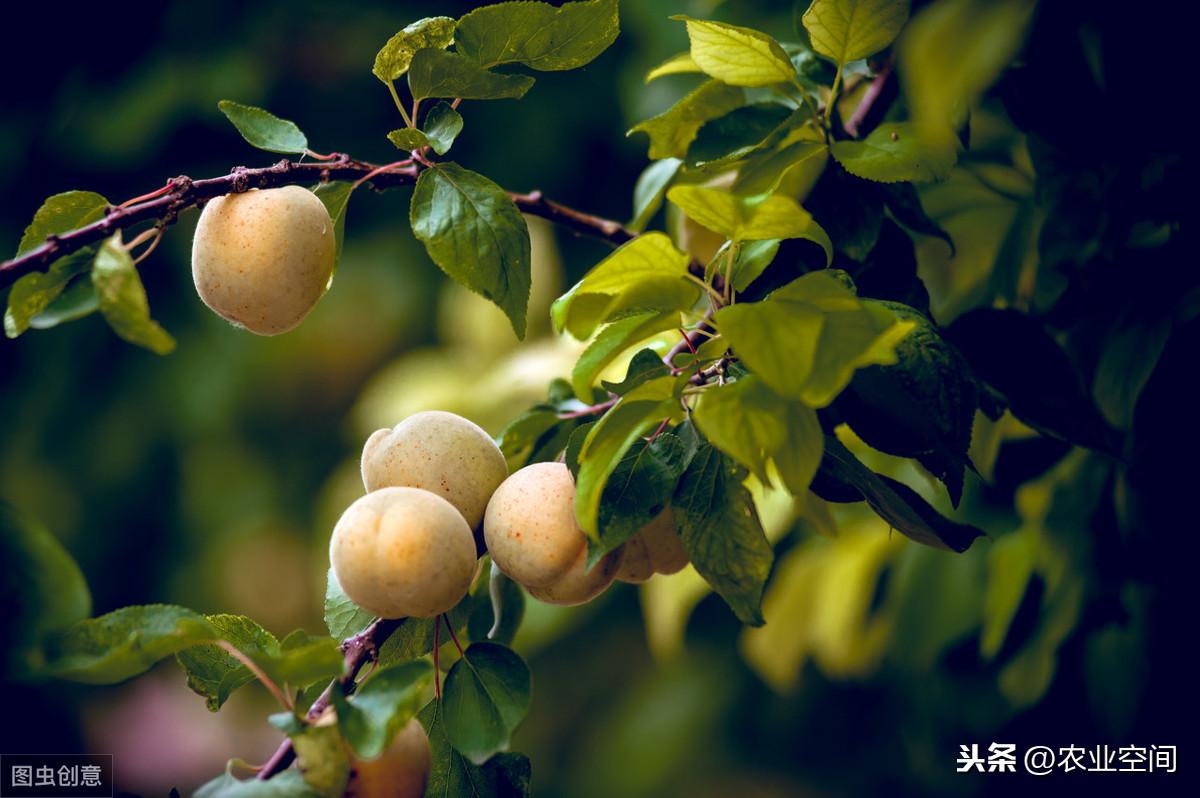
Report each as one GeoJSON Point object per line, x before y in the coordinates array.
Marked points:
{"type": "Point", "coordinates": [336, 198]}
{"type": "Point", "coordinates": [749, 218]}
{"type": "Point", "coordinates": [847, 30]}
{"type": "Point", "coordinates": [123, 299]}
{"type": "Point", "coordinates": [648, 273]}
{"type": "Point", "coordinates": [264, 130]}
{"type": "Point", "coordinates": [737, 56]}
{"type": "Point", "coordinates": [736, 134]}
{"type": "Point", "coordinates": [371, 718]}
{"type": "Point", "coordinates": [807, 338]}
{"type": "Point", "coordinates": [32, 294]}
{"type": "Point", "coordinates": [213, 672]}
{"type": "Point", "coordinates": [442, 126]}
{"type": "Point", "coordinates": [650, 189]}
{"type": "Point", "coordinates": [124, 642]}
{"type": "Point", "coordinates": [538, 35]}
{"type": "Point", "coordinates": [394, 58]}
{"type": "Point", "coordinates": [721, 532]}
{"type": "Point", "coordinates": [485, 698]}
{"type": "Point", "coordinates": [614, 339]}
{"type": "Point", "coordinates": [343, 617]}
{"type": "Point", "coordinates": [894, 152]}
{"type": "Point", "coordinates": [674, 129]}
{"type": "Point", "coordinates": [504, 775]}
{"type": "Point", "coordinates": [611, 437]}
{"type": "Point", "coordinates": [475, 234]}
{"type": "Point", "coordinates": [288, 784]}
{"type": "Point", "coordinates": [680, 64]}
{"type": "Point", "coordinates": [407, 139]}
{"type": "Point", "coordinates": [438, 73]}
{"type": "Point", "coordinates": [60, 213]}
{"type": "Point", "coordinates": [45, 591]}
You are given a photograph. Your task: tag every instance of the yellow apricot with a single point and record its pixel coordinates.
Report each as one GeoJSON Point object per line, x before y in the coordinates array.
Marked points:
{"type": "Point", "coordinates": [401, 771]}
{"type": "Point", "coordinates": [440, 452]}
{"type": "Point", "coordinates": [663, 544]}
{"type": "Point", "coordinates": [262, 259]}
{"type": "Point", "coordinates": [530, 525]}
{"type": "Point", "coordinates": [578, 584]}
{"type": "Point", "coordinates": [401, 552]}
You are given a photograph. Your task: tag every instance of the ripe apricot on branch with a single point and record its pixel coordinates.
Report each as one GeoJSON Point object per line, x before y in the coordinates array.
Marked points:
{"type": "Point", "coordinates": [579, 584]}
{"type": "Point", "coordinates": [403, 552]}
{"type": "Point", "coordinates": [440, 452]}
{"type": "Point", "coordinates": [655, 549]}
{"type": "Point", "coordinates": [401, 771]}
{"type": "Point", "coordinates": [530, 525]}
{"type": "Point", "coordinates": [261, 259]}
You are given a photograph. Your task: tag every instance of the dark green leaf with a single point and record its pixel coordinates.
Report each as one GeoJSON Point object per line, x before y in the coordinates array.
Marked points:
{"type": "Point", "coordinates": [474, 232]}
{"type": "Point", "coordinates": [372, 717]}
{"type": "Point", "coordinates": [792, 170]}
{"type": "Point", "coordinates": [44, 591]}
{"type": "Point", "coordinates": [336, 196]}
{"type": "Point", "coordinates": [60, 213]}
{"type": "Point", "coordinates": [438, 73]}
{"type": "Point", "coordinates": [905, 204]}
{"type": "Point", "coordinates": [442, 126]}
{"type": "Point", "coordinates": [721, 533]}
{"type": "Point", "coordinates": [674, 129]}
{"type": "Point", "coordinates": [538, 34]}
{"type": "Point", "coordinates": [407, 139]}
{"type": "Point", "coordinates": [452, 775]}
{"type": "Point", "coordinates": [125, 642]}
{"type": "Point", "coordinates": [646, 365]}
{"type": "Point", "coordinates": [485, 698]}
{"type": "Point", "coordinates": [264, 130]}
{"type": "Point", "coordinates": [1131, 351]}
{"type": "Point", "coordinates": [394, 58]}
{"type": "Point", "coordinates": [650, 189]}
{"type": "Point", "coordinates": [343, 617]}
{"type": "Point", "coordinates": [123, 299]}
{"type": "Point", "coordinates": [212, 671]}
{"type": "Point", "coordinates": [735, 134]}
{"type": "Point", "coordinates": [575, 447]}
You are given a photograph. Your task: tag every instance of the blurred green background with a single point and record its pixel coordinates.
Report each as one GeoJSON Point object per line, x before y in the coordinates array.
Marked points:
{"type": "Point", "coordinates": [211, 478]}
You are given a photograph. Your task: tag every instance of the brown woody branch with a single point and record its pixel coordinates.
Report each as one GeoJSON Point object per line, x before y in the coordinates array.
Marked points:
{"type": "Point", "coordinates": [186, 193]}
{"type": "Point", "coordinates": [358, 651]}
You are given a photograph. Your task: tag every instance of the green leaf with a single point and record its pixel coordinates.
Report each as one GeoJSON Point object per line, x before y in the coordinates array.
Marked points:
{"type": "Point", "coordinates": [44, 591]}
{"type": "Point", "coordinates": [336, 197]}
{"type": "Point", "coordinates": [641, 486]}
{"type": "Point", "coordinates": [370, 719]}
{"type": "Point", "coordinates": [125, 642]}
{"type": "Point", "coordinates": [303, 659]}
{"type": "Point", "coordinates": [894, 152]}
{"type": "Point", "coordinates": [264, 130]}
{"type": "Point", "coordinates": [322, 757]}
{"type": "Point", "coordinates": [650, 189]}
{"type": "Point", "coordinates": [674, 129]}
{"type": "Point", "coordinates": [648, 273]}
{"type": "Point", "coordinates": [538, 35]}
{"type": "Point", "coordinates": [614, 339]}
{"type": "Point", "coordinates": [288, 784]}
{"type": "Point", "coordinates": [899, 505]}
{"type": "Point", "coordinates": [751, 261]}
{"type": "Point", "coordinates": [451, 774]}
{"type": "Point", "coordinates": [123, 299]}
{"type": "Point", "coordinates": [807, 338]}
{"type": "Point", "coordinates": [485, 698]}
{"type": "Point", "coordinates": [646, 365]}
{"type": "Point", "coordinates": [438, 73]}
{"type": "Point", "coordinates": [34, 293]}
{"type": "Point", "coordinates": [394, 58]}
{"type": "Point", "coordinates": [735, 134]}
{"type": "Point", "coordinates": [1130, 353]}
{"type": "Point", "coordinates": [343, 617]}
{"type": "Point", "coordinates": [752, 425]}
{"type": "Point", "coordinates": [59, 213]}
{"type": "Point", "coordinates": [611, 437]}
{"type": "Point", "coordinates": [407, 139]}
{"type": "Point", "coordinates": [679, 64]}
{"type": "Point", "coordinates": [721, 533]}
{"type": "Point", "coordinates": [923, 406]}
{"type": "Point", "coordinates": [737, 56]}
{"type": "Point", "coordinates": [475, 234]}
{"type": "Point", "coordinates": [749, 218]}
{"type": "Point", "coordinates": [791, 170]}
{"type": "Point", "coordinates": [847, 30]}
{"type": "Point", "coordinates": [78, 300]}
{"type": "Point", "coordinates": [953, 51]}
{"type": "Point", "coordinates": [499, 620]}
{"type": "Point", "coordinates": [442, 126]}
{"type": "Point", "coordinates": [213, 672]}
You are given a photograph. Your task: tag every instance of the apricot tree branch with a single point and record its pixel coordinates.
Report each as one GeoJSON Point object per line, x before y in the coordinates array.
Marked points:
{"type": "Point", "coordinates": [358, 651]}
{"type": "Point", "coordinates": [164, 205]}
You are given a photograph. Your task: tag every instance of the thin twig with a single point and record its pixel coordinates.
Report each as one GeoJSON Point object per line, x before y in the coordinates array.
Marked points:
{"type": "Point", "coordinates": [871, 96]}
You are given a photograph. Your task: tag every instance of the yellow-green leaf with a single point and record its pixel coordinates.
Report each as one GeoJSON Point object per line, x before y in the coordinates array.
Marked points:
{"type": "Point", "coordinates": [847, 30]}
{"type": "Point", "coordinates": [394, 58]}
{"type": "Point", "coordinates": [737, 56]}
{"type": "Point", "coordinates": [680, 64]}
{"type": "Point", "coordinates": [894, 153]}
{"type": "Point", "coordinates": [749, 218]}
{"type": "Point", "coordinates": [123, 298]}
